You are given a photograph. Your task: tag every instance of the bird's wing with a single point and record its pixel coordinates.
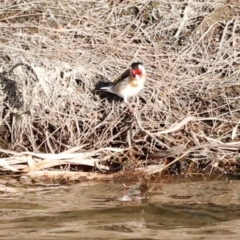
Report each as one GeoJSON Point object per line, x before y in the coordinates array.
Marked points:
{"type": "Point", "coordinates": [122, 77]}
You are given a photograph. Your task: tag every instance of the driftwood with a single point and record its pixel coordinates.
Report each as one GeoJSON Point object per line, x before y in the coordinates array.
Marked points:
{"type": "Point", "coordinates": [29, 161]}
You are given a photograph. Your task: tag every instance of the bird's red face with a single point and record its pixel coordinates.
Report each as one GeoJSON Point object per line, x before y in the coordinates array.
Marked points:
{"type": "Point", "coordinates": [136, 72]}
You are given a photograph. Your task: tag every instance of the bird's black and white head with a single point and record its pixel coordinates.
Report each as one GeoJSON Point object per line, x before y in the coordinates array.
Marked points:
{"type": "Point", "coordinates": [137, 70]}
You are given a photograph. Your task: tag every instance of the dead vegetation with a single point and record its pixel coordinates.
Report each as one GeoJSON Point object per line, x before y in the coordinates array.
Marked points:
{"type": "Point", "coordinates": [52, 119]}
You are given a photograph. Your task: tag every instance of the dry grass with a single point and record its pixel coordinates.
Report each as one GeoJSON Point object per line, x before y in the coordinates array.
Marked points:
{"type": "Point", "coordinates": [191, 53]}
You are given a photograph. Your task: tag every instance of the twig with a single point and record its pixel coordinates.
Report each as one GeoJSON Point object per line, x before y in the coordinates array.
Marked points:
{"type": "Point", "coordinates": [207, 145]}
{"type": "Point", "coordinates": [146, 131]}
{"type": "Point", "coordinates": [182, 123]}
{"type": "Point", "coordinates": [184, 19]}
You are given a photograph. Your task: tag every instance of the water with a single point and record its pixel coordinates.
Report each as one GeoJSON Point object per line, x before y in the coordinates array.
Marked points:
{"type": "Point", "coordinates": [106, 210]}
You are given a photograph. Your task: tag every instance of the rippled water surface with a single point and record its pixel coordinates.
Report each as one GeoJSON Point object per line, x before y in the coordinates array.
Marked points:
{"type": "Point", "coordinates": [175, 210]}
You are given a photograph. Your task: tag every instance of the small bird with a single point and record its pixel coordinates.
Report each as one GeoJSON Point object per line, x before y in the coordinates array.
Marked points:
{"type": "Point", "coordinates": [130, 83]}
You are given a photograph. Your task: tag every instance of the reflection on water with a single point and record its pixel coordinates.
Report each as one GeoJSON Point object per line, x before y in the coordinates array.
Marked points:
{"type": "Point", "coordinates": [178, 210]}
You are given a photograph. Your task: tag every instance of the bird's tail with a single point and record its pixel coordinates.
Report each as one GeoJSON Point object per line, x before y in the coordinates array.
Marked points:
{"type": "Point", "coordinates": [106, 89]}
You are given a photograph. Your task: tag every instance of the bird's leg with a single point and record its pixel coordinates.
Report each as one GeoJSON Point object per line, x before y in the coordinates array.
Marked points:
{"type": "Point", "coordinates": [133, 106]}
{"type": "Point", "coordinates": [140, 107]}
{"type": "Point", "coordinates": [129, 105]}
{"type": "Point", "coordinates": [146, 106]}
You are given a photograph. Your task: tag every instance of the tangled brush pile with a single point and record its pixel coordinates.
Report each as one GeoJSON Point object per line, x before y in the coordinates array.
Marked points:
{"type": "Point", "coordinates": [191, 97]}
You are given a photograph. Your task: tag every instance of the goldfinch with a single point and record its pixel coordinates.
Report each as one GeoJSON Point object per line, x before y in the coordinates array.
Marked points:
{"type": "Point", "coordinates": [130, 83]}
